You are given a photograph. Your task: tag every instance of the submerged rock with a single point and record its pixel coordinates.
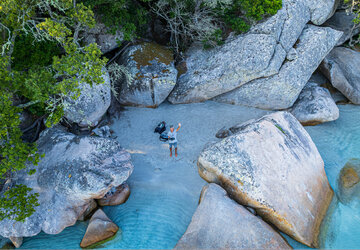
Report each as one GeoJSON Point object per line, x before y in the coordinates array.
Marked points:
{"type": "Point", "coordinates": [221, 223]}
{"type": "Point", "coordinates": [348, 182]}
{"type": "Point", "coordinates": [91, 105]}
{"type": "Point", "coordinates": [152, 75]}
{"type": "Point", "coordinates": [272, 165]}
{"type": "Point", "coordinates": [115, 196]}
{"type": "Point", "coordinates": [17, 241]}
{"type": "Point", "coordinates": [99, 229]}
{"type": "Point", "coordinates": [339, 68]}
{"type": "Point", "coordinates": [281, 90]}
{"type": "Point", "coordinates": [315, 105]}
{"type": "Point", "coordinates": [343, 21]}
{"type": "Point", "coordinates": [74, 171]}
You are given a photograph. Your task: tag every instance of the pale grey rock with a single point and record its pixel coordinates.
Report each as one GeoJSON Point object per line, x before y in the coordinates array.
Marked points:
{"type": "Point", "coordinates": [74, 171]}
{"type": "Point", "coordinates": [17, 241]}
{"type": "Point", "coordinates": [259, 53]}
{"type": "Point", "coordinates": [322, 81]}
{"type": "Point", "coordinates": [281, 90]}
{"type": "Point", "coordinates": [272, 165]}
{"type": "Point", "coordinates": [91, 105]}
{"type": "Point", "coordinates": [340, 67]}
{"type": "Point", "coordinates": [322, 10]}
{"type": "Point", "coordinates": [221, 223]}
{"type": "Point", "coordinates": [102, 36]}
{"type": "Point", "coordinates": [152, 75]}
{"type": "Point", "coordinates": [343, 21]}
{"type": "Point", "coordinates": [103, 131]}
{"type": "Point", "coordinates": [315, 105]}
{"type": "Point", "coordinates": [292, 55]}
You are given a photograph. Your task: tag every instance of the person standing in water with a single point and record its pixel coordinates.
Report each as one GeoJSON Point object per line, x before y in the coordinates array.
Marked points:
{"type": "Point", "coordinates": [172, 139]}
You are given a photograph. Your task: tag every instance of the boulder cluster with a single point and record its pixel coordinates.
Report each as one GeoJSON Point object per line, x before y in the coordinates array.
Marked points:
{"type": "Point", "coordinates": [269, 67]}
{"type": "Point", "coordinates": [265, 176]}
{"type": "Point", "coordinates": [272, 166]}
{"type": "Point", "coordinates": [76, 175]}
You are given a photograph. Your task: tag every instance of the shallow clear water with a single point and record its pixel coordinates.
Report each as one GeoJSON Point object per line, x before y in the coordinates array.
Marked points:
{"type": "Point", "coordinates": [165, 192]}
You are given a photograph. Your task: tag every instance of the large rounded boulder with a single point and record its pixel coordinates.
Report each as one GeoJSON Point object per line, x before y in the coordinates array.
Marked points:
{"type": "Point", "coordinates": [221, 223]}
{"type": "Point", "coordinates": [315, 105]}
{"type": "Point", "coordinates": [93, 102]}
{"type": "Point", "coordinates": [272, 165]}
{"type": "Point", "coordinates": [340, 68]}
{"type": "Point", "coordinates": [74, 171]}
{"type": "Point", "coordinates": [150, 77]}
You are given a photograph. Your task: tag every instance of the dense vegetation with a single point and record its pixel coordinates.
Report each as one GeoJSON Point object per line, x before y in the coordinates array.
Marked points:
{"type": "Point", "coordinates": [43, 58]}
{"type": "Point", "coordinates": [353, 6]}
{"type": "Point", "coordinates": [187, 21]}
{"type": "Point", "coordinates": [41, 63]}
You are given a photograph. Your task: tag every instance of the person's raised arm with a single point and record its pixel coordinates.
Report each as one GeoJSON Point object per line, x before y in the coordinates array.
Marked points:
{"type": "Point", "coordinates": [179, 126]}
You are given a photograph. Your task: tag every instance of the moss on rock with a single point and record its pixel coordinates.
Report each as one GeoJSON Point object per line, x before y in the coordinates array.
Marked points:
{"type": "Point", "coordinates": [150, 52]}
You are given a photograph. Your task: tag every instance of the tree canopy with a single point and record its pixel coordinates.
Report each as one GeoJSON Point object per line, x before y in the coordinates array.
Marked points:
{"type": "Point", "coordinates": [39, 78]}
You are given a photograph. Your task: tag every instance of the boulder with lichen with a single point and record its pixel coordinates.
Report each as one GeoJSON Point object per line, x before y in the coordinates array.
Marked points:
{"type": "Point", "coordinates": [150, 75]}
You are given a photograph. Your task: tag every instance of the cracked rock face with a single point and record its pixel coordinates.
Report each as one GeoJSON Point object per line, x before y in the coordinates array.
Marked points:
{"type": "Point", "coordinates": [272, 165]}
{"type": "Point", "coordinates": [74, 171]}
{"type": "Point", "coordinates": [281, 90]}
{"type": "Point", "coordinates": [221, 223]}
{"type": "Point", "coordinates": [343, 21]}
{"type": "Point", "coordinates": [315, 105]}
{"type": "Point", "coordinates": [322, 10]}
{"type": "Point", "coordinates": [339, 67]}
{"type": "Point", "coordinates": [93, 102]}
{"type": "Point", "coordinates": [152, 75]}
{"type": "Point", "coordinates": [260, 53]}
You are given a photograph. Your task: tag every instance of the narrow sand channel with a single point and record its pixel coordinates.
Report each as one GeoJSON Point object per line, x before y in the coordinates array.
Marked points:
{"type": "Point", "coordinates": [165, 191]}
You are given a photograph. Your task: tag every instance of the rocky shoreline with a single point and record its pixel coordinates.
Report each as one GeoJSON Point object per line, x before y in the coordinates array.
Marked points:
{"type": "Point", "coordinates": [265, 175]}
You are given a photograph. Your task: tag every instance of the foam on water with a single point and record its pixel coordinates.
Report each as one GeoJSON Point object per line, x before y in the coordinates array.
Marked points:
{"type": "Point", "coordinates": [165, 192]}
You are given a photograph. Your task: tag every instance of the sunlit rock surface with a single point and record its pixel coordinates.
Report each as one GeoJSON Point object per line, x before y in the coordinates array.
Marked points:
{"type": "Point", "coordinates": [272, 165]}
{"type": "Point", "coordinates": [99, 229]}
{"type": "Point", "coordinates": [281, 90]}
{"type": "Point", "coordinates": [221, 223]}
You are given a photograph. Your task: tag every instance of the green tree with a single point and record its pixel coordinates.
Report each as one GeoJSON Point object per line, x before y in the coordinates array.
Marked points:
{"type": "Point", "coordinates": [353, 6]}
{"type": "Point", "coordinates": [38, 80]}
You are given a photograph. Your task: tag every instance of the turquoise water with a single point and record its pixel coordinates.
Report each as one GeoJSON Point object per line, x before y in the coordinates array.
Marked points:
{"type": "Point", "coordinates": [164, 196]}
